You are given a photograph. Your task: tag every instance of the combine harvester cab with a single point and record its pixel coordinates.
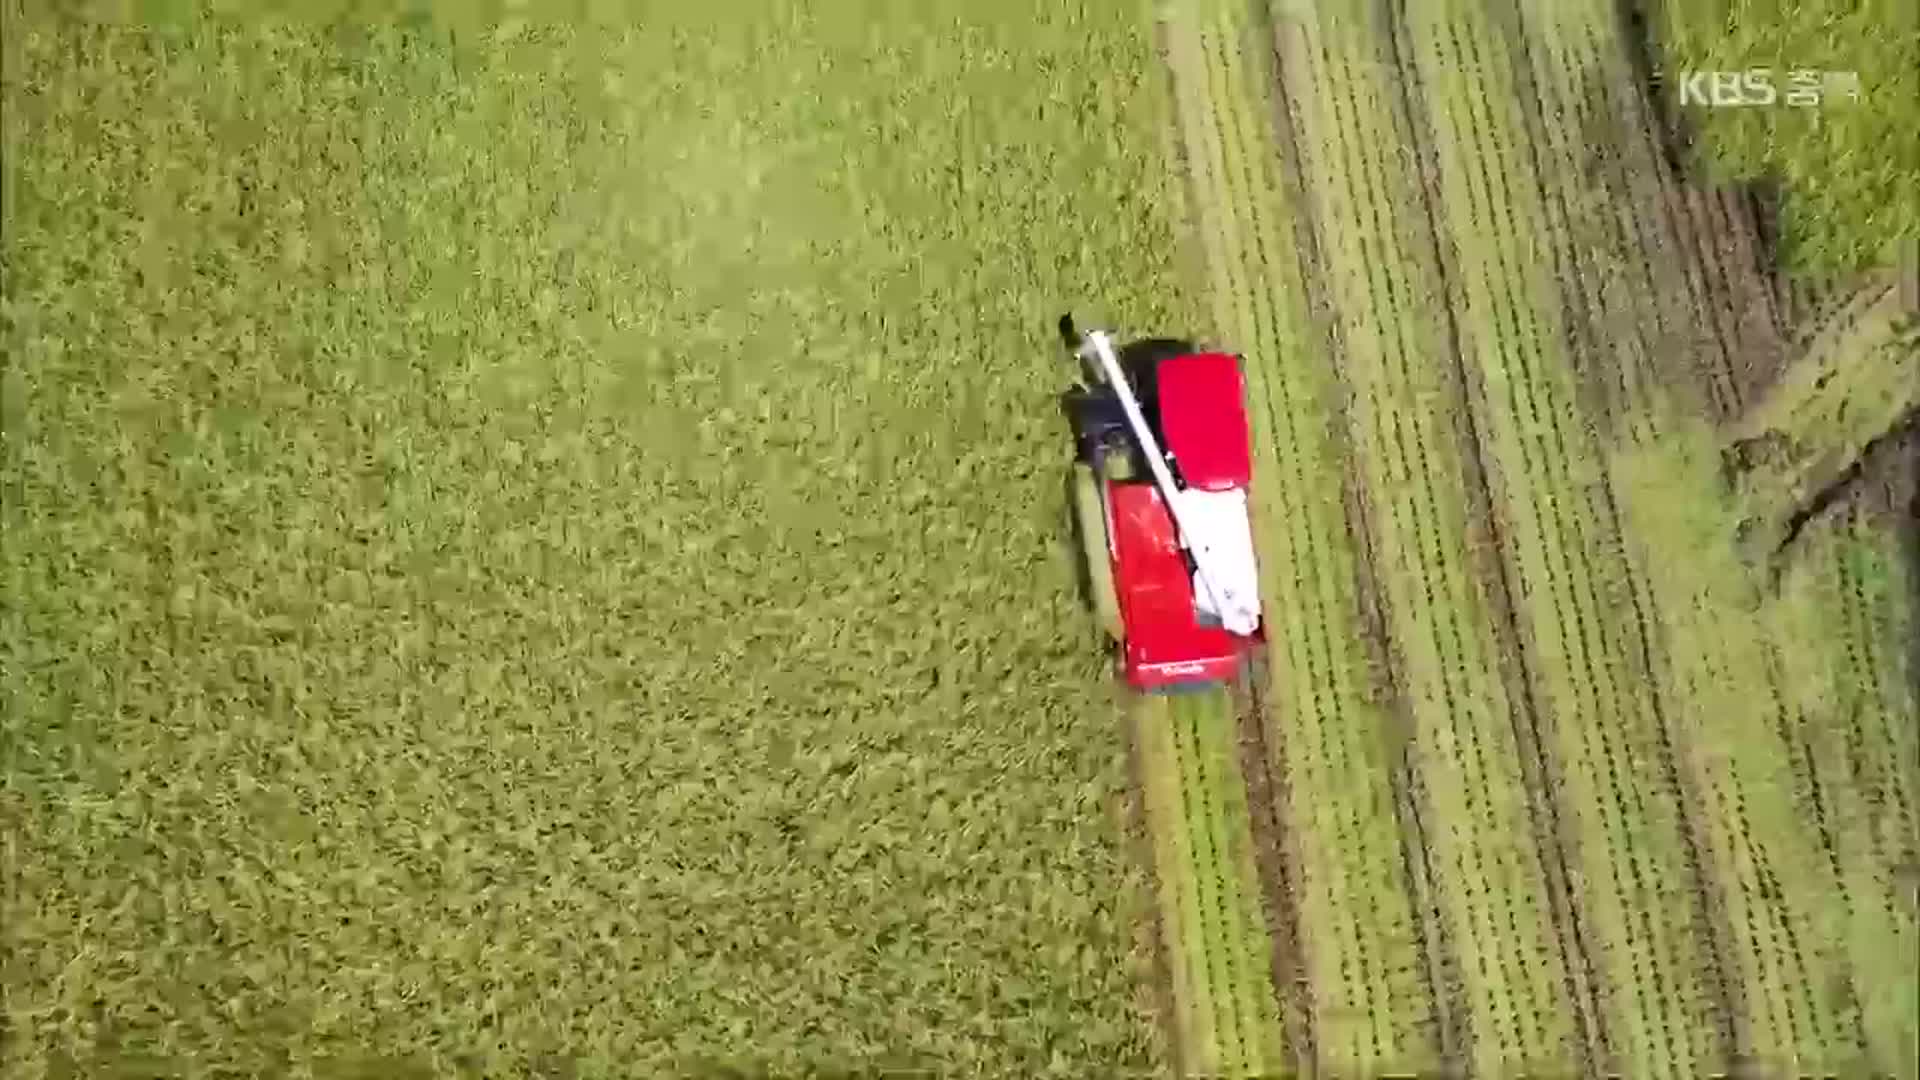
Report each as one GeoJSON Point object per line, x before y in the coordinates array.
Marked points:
{"type": "Point", "coordinates": [1176, 586]}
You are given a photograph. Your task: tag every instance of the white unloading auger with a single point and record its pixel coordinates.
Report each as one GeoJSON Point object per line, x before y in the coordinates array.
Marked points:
{"type": "Point", "coordinates": [1224, 585]}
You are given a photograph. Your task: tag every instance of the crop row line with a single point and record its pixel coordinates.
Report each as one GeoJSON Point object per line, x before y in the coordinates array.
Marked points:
{"type": "Point", "coordinates": [1226, 1011]}
{"type": "Point", "coordinates": [1268, 803]}
{"type": "Point", "coordinates": [1588, 707]}
{"type": "Point", "coordinates": [1780, 926]}
{"type": "Point", "coordinates": [1176, 872]}
{"type": "Point", "coordinates": [1611, 200]}
{"type": "Point", "coordinates": [1885, 688]}
{"type": "Point", "coordinates": [1435, 945]}
{"type": "Point", "coordinates": [1202, 155]}
{"type": "Point", "coordinates": [1786, 998]}
{"type": "Point", "coordinates": [1680, 291]}
{"type": "Point", "coordinates": [1246, 188]}
{"type": "Point", "coordinates": [1890, 958]}
{"type": "Point", "coordinates": [1489, 310]}
{"type": "Point", "coordinates": [1444, 457]}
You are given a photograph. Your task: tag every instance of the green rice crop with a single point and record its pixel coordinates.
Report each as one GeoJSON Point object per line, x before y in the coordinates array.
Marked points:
{"type": "Point", "coordinates": [537, 550]}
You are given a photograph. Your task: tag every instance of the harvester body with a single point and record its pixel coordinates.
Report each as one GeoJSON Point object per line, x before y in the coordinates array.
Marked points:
{"type": "Point", "coordinates": [1178, 544]}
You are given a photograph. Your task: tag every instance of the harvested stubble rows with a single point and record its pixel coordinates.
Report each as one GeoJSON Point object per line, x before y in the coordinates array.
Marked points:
{"type": "Point", "coordinates": [540, 553]}
{"type": "Point", "coordinates": [1565, 784]}
{"type": "Point", "coordinates": [1220, 991]}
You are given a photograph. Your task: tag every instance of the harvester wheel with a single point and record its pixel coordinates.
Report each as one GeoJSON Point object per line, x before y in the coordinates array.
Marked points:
{"type": "Point", "coordinates": [1091, 521]}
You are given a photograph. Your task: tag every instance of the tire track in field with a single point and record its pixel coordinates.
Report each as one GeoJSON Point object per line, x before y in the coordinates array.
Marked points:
{"type": "Point", "coordinates": [1231, 308]}
{"type": "Point", "coordinates": [1268, 801]}
{"type": "Point", "coordinates": [1203, 817]}
{"type": "Point", "coordinates": [1808, 733]}
{"type": "Point", "coordinates": [1740, 815]}
{"type": "Point", "coordinates": [1662, 278]}
{"type": "Point", "coordinates": [1446, 989]}
{"type": "Point", "coordinates": [1780, 925]}
{"type": "Point", "coordinates": [1357, 954]}
{"type": "Point", "coordinates": [1386, 311]}
{"type": "Point", "coordinates": [1223, 97]}
{"type": "Point", "coordinates": [1177, 903]}
{"type": "Point", "coordinates": [1559, 441]}
{"type": "Point", "coordinates": [1258, 759]}
{"type": "Point", "coordinates": [1265, 761]}
{"type": "Point", "coordinates": [1529, 723]}
{"type": "Point", "coordinates": [1164, 996]}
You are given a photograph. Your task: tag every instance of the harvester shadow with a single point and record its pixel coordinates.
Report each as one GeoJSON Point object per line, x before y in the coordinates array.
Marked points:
{"type": "Point", "coordinates": [1077, 544]}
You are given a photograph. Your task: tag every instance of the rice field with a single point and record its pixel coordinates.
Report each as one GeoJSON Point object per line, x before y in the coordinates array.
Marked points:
{"type": "Point", "coordinates": [535, 551]}
{"type": "Point", "coordinates": [537, 548]}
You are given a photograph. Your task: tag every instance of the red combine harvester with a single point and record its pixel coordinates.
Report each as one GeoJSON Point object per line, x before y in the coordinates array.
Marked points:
{"type": "Point", "coordinates": [1165, 534]}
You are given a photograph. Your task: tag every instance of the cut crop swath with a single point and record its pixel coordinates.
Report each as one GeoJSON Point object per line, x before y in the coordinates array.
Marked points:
{"type": "Point", "coordinates": [1227, 1019]}
{"type": "Point", "coordinates": [1596, 728]}
{"type": "Point", "coordinates": [1489, 880]}
{"type": "Point", "coordinates": [1364, 998]}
